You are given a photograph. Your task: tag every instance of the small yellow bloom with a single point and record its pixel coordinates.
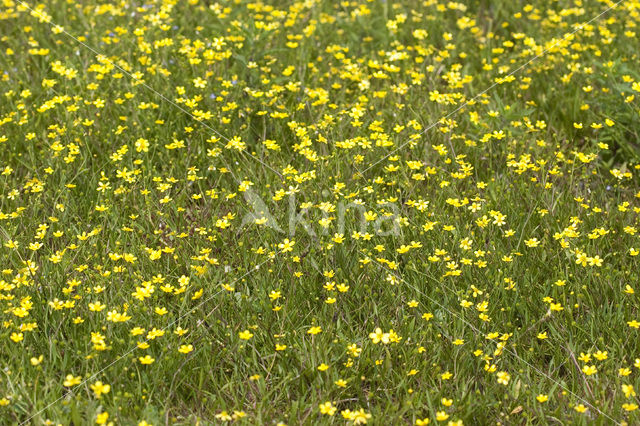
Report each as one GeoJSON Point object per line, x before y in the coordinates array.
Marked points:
{"type": "Point", "coordinates": [70, 380]}
{"type": "Point", "coordinates": [328, 408]}
{"type": "Point", "coordinates": [102, 418]}
{"type": "Point", "coordinates": [146, 360]}
{"type": "Point", "coordinates": [628, 391]}
{"type": "Point", "coordinates": [441, 416]}
{"type": "Point", "coordinates": [503, 377]}
{"type": "Point", "coordinates": [532, 242]}
{"type": "Point", "coordinates": [314, 330]}
{"type": "Point", "coordinates": [245, 335]}
{"type": "Point", "coordinates": [100, 388]}
{"type": "Point", "coordinates": [185, 349]}
{"type": "Point", "coordinates": [542, 398]}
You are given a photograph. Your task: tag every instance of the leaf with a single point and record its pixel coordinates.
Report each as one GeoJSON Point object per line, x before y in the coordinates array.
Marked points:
{"type": "Point", "coordinates": [516, 388]}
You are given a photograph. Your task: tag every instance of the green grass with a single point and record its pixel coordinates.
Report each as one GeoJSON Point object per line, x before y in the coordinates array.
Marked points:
{"type": "Point", "coordinates": [464, 174]}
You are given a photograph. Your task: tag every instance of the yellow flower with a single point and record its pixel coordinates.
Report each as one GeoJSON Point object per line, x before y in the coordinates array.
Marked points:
{"type": "Point", "coordinates": [542, 398]}
{"type": "Point", "coordinates": [628, 391]}
{"type": "Point", "coordinates": [99, 388]}
{"type": "Point", "coordinates": [198, 294]}
{"type": "Point", "coordinates": [532, 242]}
{"type": "Point", "coordinates": [503, 377]}
{"type": "Point", "coordinates": [146, 360]}
{"type": "Point", "coordinates": [224, 416]}
{"type": "Point", "coordinates": [70, 380]}
{"type": "Point", "coordinates": [328, 408]}
{"type": "Point", "coordinates": [185, 349]}
{"type": "Point", "coordinates": [96, 306]}
{"type": "Point", "coordinates": [357, 417]}
{"type": "Point", "coordinates": [238, 414]}
{"type": "Point", "coordinates": [314, 330]}
{"type": "Point", "coordinates": [274, 295]}
{"type": "Point", "coordinates": [102, 418]}
{"type": "Point", "coordinates": [286, 245]}
{"type": "Point", "coordinates": [245, 335]}
{"type": "Point", "coordinates": [441, 416]}
{"type": "Point", "coordinates": [199, 83]}
{"type": "Point", "coordinates": [555, 307]}
{"type": "Point", "coordinates": [378, 336]}
{"type": "Point", "coordinates": [601, 356]}
{"type": "Point", "coordinates": [585, 357]}
{"type": "Point", "coordinates": [580, 408]}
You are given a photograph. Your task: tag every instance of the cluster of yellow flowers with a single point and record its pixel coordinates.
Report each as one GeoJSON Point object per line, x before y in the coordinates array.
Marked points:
{"type": "Point", "coordinates": [204, 203]}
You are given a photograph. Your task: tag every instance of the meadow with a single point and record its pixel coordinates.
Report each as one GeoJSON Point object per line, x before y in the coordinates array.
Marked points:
{"type": "Point", "coordinates": [319, 212]}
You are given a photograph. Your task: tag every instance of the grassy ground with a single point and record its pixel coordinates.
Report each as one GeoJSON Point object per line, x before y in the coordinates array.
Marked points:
{"type": "Point", "coordinates": [319, 212]}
